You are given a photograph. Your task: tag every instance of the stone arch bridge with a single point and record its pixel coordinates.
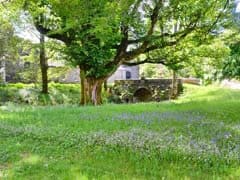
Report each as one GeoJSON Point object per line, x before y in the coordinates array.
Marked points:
{"type": "Point", "coordinates": [145, 90]}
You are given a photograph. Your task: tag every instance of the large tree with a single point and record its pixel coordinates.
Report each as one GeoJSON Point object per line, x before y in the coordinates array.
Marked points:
{"type": "Point", "coordinates": [100, 35]}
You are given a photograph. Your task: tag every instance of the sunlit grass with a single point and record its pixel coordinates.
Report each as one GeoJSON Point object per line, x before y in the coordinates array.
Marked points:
{"type": "Point", "coordinates": [194, 137]}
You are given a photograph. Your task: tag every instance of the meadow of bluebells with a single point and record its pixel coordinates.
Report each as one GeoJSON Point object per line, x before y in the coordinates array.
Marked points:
{"type": "Point", "coordinates": [182, 139]}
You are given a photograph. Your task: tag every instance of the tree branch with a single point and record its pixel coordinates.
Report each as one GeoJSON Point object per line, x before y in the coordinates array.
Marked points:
{"type": "Point", "coordinates": [151, 61]}
{"type": "Point", "coordinates": [218, 17]}
{"type": "Point", "coordinates": [59, 36]}
{"type": "Point", "coordinates": [122, 48]}
{"type": "Point", "coordinates": [39, 22]}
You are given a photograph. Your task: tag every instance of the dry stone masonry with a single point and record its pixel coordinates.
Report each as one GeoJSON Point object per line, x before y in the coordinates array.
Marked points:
{"type": "Point", "coordinates": [144, 90]}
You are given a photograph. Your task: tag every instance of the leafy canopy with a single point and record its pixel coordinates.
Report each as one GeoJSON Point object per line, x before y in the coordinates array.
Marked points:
{"type": "Point", "coordinates": [102, 34]}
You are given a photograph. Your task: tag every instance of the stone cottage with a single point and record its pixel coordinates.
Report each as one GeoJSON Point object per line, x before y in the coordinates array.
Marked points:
{"type": "Point", "coordinates": [122, 73]}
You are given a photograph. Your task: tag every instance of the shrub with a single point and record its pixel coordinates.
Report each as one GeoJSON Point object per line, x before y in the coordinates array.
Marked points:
{"type": "Point", "coordinates": [30, 94]}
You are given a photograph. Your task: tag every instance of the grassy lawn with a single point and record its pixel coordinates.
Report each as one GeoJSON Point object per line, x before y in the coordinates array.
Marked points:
{"type": "Point", "coordinates": [195, 137]}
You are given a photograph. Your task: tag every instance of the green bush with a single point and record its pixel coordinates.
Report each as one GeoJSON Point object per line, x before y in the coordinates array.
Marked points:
{"type": "Point", "coordinates": [30, 94]}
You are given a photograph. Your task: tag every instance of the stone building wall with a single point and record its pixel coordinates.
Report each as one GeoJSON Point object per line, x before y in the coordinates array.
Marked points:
{"type": "Point", "coordinates": [72, 76]}
{"type": "Point", "coordinates": [122, 73]}
{"type": "Point", "coordinates": [125, 73]}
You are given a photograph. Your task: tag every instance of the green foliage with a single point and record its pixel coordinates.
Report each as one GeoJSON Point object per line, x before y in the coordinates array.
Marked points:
{"type": "Point", "coordinates": [8, 40]}
{"type": "Point", "coordinates": [154, 71]}
{"type": "Point", "coordinates": [231, 67]}
{"type": "Point", "coordinates": [29, 94]}
{"type": "Point", "coordinates": [149, 71]}
{"type": "Point", "coordinates": [195, 137]}
{"type": "Point", "coordinates": [6, 36]}
{"type": "Point", "coordinates": [192, 57]}
{"type": "Point", "coordinates": [20, 93]}
{"type": "Point", "coordinates": [31, 71]}
{"type": "Point", "coordinates": [57, 74]}
{"type": "Point", "coordinates": [204, 60]}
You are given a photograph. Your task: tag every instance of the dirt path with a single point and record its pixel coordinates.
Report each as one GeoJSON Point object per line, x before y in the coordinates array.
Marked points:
{"type": "Point", "coordinates": [233, 84]}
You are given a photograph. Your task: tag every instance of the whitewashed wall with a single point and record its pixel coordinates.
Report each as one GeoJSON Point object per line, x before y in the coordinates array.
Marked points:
{"type": "Point", "coordinates": [73, 75]}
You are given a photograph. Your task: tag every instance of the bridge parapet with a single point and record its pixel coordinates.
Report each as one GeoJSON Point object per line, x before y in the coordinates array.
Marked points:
{"type": "Point", "coordinates": [145, 89]}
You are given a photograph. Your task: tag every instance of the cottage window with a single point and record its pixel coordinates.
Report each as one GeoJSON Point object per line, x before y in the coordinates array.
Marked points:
{"type": "Point", "coordinates": [128, 75]}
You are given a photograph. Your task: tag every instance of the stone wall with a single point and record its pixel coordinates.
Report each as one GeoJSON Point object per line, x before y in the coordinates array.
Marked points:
{"type": "Point", "coordinates": [193, 81]}
{"type": "Point", "coordinates": [144, 90]}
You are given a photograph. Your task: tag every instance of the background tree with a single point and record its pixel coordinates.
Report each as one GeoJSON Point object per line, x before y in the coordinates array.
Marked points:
{"type": "Point", "coordinates": [25, 24]}
{"type": "Point", "coordinates": [231, 67]}
{"type": "Point", "coordinates": [7, 42]}
{"type": "Point", "coordinates": [149, 71]}
{"type": "Point", "coordinates": [43, 64]}
{"type": "Point", "coordinates": [6, 35]}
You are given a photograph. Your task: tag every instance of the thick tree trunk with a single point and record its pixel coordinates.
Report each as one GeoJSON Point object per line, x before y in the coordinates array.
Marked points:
{"type": "Point", "coordinates": [91, 90]}
{"type": "Point", "coordinates": [44, 65]}
{"type": "Point", "coordinates": [94, 91]}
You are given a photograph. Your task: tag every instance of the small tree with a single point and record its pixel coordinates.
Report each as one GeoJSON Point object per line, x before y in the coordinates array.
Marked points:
{"type": "Point", "coordinates": [7, 42]}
